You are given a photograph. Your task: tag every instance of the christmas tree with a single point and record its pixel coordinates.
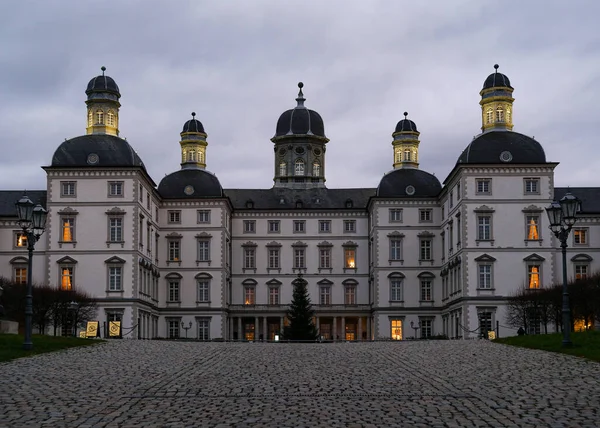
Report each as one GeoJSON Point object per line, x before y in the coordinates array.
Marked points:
{"type": "Point", "coordinates": [300, 314]}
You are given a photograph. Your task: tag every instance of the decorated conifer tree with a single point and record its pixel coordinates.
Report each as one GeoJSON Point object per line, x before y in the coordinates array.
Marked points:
{"type": "Point", "coordinates": [300, 314]}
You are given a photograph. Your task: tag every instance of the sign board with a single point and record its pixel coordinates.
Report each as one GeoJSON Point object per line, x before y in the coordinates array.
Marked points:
{"type": "Point", "coordinates": [82, 335]}
{"type": "Point", "coordinates": [491, 335]}
{"type": "Point", "coordinates": [114, 329]}
{"type": "Point", "coordinates": [92, 329]}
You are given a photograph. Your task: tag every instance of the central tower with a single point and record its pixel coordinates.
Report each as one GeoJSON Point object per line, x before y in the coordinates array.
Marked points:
{"type": "Point", "coordinates": [299, 147]}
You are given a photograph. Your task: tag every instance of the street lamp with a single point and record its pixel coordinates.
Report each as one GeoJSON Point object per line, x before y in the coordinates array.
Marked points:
{"type": "Point", "coordinates": [186, 328]}
{"type": "Point", "coordinates": [32, 219]}
{"type": "Point", "coordinates": [562, 216]}
{"type": "Point", "coordinates": [412, 325]}
{"type": "Point", "coordinates": [73, 306]}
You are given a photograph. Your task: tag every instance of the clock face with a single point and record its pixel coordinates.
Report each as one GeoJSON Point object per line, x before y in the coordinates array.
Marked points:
{"type": "Point", "coordinates": [188, 190]}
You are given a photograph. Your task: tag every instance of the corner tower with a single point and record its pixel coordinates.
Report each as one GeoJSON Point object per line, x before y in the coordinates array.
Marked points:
{"type": "Point", "coordinates": [300, 147]}
{"type": "Point", "coordinates": [193, 144]}
{"type": "Point", "coordinates": [102, 105]}
{"type": "Point", "coordinates": [496, 103]}
{"type": "Point", "coordinates": [406, 144]}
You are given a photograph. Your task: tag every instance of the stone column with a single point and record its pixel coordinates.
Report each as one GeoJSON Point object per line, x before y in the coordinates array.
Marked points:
{"type": "Point", "coordinates": [280, 326]}
{"type": "Point", "coordinates": [265, 329]}
{"type": "Point", "coordinates": [239, 328]}
{"type": "Point", "coordinates": [334, 328]}
{"type": "Point", "coordinates": [359, 329]}
{"type": "Point", "coordinates": [369, 335]}
{"type": "Point", "coordinates": [343, 334]}
{"type": "Point", "coordinates": [256, 329]}
{"type": "Point", "coordinates": [318, 325]}
{"type": "Point", "coordinates": [231, 321]}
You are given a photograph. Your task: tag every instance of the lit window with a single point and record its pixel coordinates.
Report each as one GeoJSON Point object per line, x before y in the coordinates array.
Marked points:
{"type": "Point", "coordinates": [508, 117]}
{"type": "Point", "coordinates": [324, 226]}
{"type": "Point", "coordinates": [115, 188]}
{"type": "Point", "coordinates": [484, 228]}
{"type": "Point", "coordinates": [115, 278]}
{"type": "Point", "coordinates": [499, 114]}
{"type": "Point", "coordinates": [273, 295]}
{"type": "Point", "coordinates": [273, 226]}
{"type": "Point", "coordinates": [174, 216]}
{"type": "Point", "coordinates": [282, 168]}
{"type": "Point", "coordinates": [349, 226]}
{"type": "Point", "coordinates": [299, 167]}
{"type": "Point", "coordinates": [273, 258]}
{"type": "Point", "coordinates": [203, 250]}
{"type": "Point", "coordinates": [173, 291]}
{"type": "Point", "coordinates": [398, 155]}
{"type": "Point", "coordinates": [580, 236]}
{"type": "Point", "coordinates": [350, 258]}
{"type": "Point", "coordinates": [316, 169]}
{"type": "Point", "coordinates": [490, 116]}
{"type": "Point", "coordinates": [192, 156]}
{"type": "Point", "coordinates": [533, 274]}
{"type": "Point", "coordinates": [483, 185]}
{"type": "Point", "coordinates": [325, 295]}
{"type": "Point", "coordinates": [66, 278]}
{"type": "Point", "coordinates": [425, 250]}
{"type": "Point", "coordinates": [115, 229]}
{"type": "Point", "coordinates": [299, 258]}
{"type": "Point", "coordinates": [325, 258]}
{"type": "Point", "coordinates": [249, 226]}
{"type": "Point", "coordinates": [350, 295]}
{"type": "Point", "coordinates": [203, 287]}
{"type": "Point", "coordinates": [249, 258]}
{"type": "Point", "coordinates": [396, 215]}
{"type": "Point", "coordinates": [20, 239]}
{"type": "Point", "coordinates": [426, 295]}
{"type": "Point", "coordinates": [68, 229]}
{"type": "Point", "coordinates": [532, 186]}
{"type": "Point", "coordinates": [249, 297]}
{"type": "Point", "coordinates": [485, 276]}
{"type": "Point", "coordinates": [396, 329]}
{"type": "Point", "coordinates": [396, 249]}
{"type": "Point", "coordinates": [581, 271]}
{"type": "Point", "coordinates": [396, 294]}
{"type": "Point", "coordinates": [174, 251]}
{"type": "Point", "coordinates": [21, 275]}
{"type": "Point", "coordinates": [203, 216]}
{"type": "Point", "coordinates": [110, 119]}
{"type": "Point", "coordinates": [406, 155]}
{"type": "Point", "coordinates": [90, 118]}
{"type": "Point", "coordinates": [100, 117]}
{"type": "Point", "coordinates": [533, 227]}
{"type": "Point", "coordinates": [67, 188]}
{"type": "Point", "coordinates": [200, 156]}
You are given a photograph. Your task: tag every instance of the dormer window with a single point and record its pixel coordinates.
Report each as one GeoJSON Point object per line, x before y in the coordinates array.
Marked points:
{"type": "Point", "coordinates": [282, 168]}
{"type": "Point", "coordinates": [490, 116]}
{"type": "Point", "coordinates": [316, 169]}
{"type": "Point", "coordinates": [110, 119]}
{"type": "Point", "coordinates": [499, 114]}
{"type": "Point", "coordinates": [299, 167]}
{"type": "Point", "coordinates": [100, 117]}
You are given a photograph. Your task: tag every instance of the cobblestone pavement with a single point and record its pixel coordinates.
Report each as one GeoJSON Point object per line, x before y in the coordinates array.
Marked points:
{"type": "Point", "coordinates": [419, 384]}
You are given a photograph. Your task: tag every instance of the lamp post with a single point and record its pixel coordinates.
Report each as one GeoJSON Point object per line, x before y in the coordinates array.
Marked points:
{"type": "Point", "coordinates": [186, 328]}
{"type": "Point", "coordinates": [73, 306]}
{"type": "Point", "coordinates": [32, 219]}
{"type": "Point", "coordinates": [412, 325]}
{"type": "Point", "coordinates": [562, 216]}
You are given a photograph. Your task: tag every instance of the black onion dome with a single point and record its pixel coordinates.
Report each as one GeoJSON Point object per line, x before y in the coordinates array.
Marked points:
{"type": "Point", "coordinates": [102, 84]}
{"type": "Point", "coordinates": [496, 80]}
{"type": "Point", "coordinates": [193, 125]}
{"type": "Point", "coordinates": [190, 184]}
{"type": "Point", "coordinates": [406, 125]}
{"type": "Point", "coordinates": [97, 150]}
{"type": "Point", "coordinates": [409, 183]}
{"type": "Point", "coordinates": [496, 147]}
{"type": "Point", "coordinates": [300, 120]}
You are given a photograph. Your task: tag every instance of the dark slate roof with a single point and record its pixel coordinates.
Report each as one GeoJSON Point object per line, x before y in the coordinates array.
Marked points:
{"type": "Point", "coordinates": [203, 185]}
{"type": "Point", "coordinates": [286, 199]}
{"type": "Point", "coordinates": [8, 198]}
{"type": "Point", "coordinates": [589, 196]}
{"type": "Point", "coordinates": [102, 84]}
{"type": "Point", "coordinates": [496, 80]}
{"type": "Point", "coordinates": [395, 183]}
{"type": "Point", "coordinates": [193, 125]}
{"type": "Point", "coordinates": [406, 125]}
{"type": "Point", "coordinates": [110, 151]}
{"type": "Point", "coordinates": [488, 147]}
{"type": "Point", "coordinates": [300, 121]}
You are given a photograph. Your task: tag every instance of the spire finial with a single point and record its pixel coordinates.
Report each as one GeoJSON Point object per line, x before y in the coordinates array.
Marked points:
{"type": "Point", "coordinates": [300, 98]}
{"type": "Point", "coordinates": [103, 68]}
{"type": "Point", "coordinates": [193, 115]}
{"type": "Point", "coordinates": [496, 66]}
{"type": "Point", "coordinates": [405, 114]}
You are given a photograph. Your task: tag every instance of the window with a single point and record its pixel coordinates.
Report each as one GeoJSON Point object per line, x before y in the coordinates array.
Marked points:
{"type": "Point", "coordinates": [173, 327]}
{"type": "Point", "coordinates": [20, 275]}
{"type": "Point", "coordinates": [299, 167]}
{"type": "Point", "coordinates": [426, 294]}
{"type": "Point", "coordinates": [406, 155]}
{"type": "Point", "coordinates": [174, 217]}
{"type": "Point", "coordinates": [490, 116]}
{"type": "Point", "coordinates": [350, 258]}
{"type": "Point", "coordinates": [115, 276]}
{"type": "Point", "coordinates": [451, 199]}
{"type": "Point", "coordinates": [485, 276]}
{"type": "Point", "coordinates": [395, 249]}
{"type": "Point", "coordinates": [148, 201]}
{"type": "Point", "coordinates": [203, 287]}
{"type": "Point", "coordinates": [316, 169]}
{"type": "Point", "coordinates": [20, 240]}
{"type": "Point", "coordinates": [115, 188]}
{"type": "Point", "coordinates": [115, 229]}
{"type": "Point", "coordinates": [141, 193]}
{"type": "Point", "coordinates": [457, 191]}
{"type": "Point", "coordinates": [532, 186]}
{"type": "Point", "coordinates": [68, 229]}
{"type": "Point", "coordinates": [349, 226]}
{"type": "Point", "coordinates": [398, 157]}
{"type": "Point", "coordinates": [203, 250]}
{"type": "Point", "coordinates": [425, 216]}
{"type": "Point", "coordinates": [90, 118]}
{"type": "Point", "coordinates": [249, 226]}
{"type": "Point", "coordinates": [274, 258]}
{"type": "Point", "coordinates": [350, 295]}
{"type": "Point", "coordinates": [273, 226]}
{"type": "Point", "coordinates": [192, 155]}
{"type": "Point", "coordinates": [273, 295]}
{"type": "Point", "coordinates": [426, 326]}
{"type": "Point", "coordinates": [110, 119]}
{"type": "Point", "coordinates": [396, 293]}
{"type": "Point", "coordinates": [174, 251]}
{"type": "Point", "coordinates": [484, 228]}
{"type": "Point", "coordinates": [249, 295]}
{"type": "Point", "coordinates": [533, 227]}
{"type": "Point", "coordinates": [249, 258]}
{"type": "Point", "coordinates": [203, 328]}
{"type": "Point", "coordinates": [533, 276]}
{"type": "Point", "coordinates": [396, 215]}
{"type": "Point", "coordinates": [324, 226]}
{"type": "Point", "coordinates": [485, 323]}
{"type": "Point", "coordinates": [425, 249]}
{"type": "Point", "coordinates": [325, 258]}
{"type": "Point", "coordinates": [483, 186]}
{"type": "Point", "coordinates": [67, 188]}
{"type": "Point", "coordinates": [66, 278]}
{"type": "Point", "coordinates": [581, 271]}
{"type": "Point", "coordinates": [299, 259]}
{"type": "Point", "coordinates": [299, 226]}
{"type": "Point", "coordinates": [100, 117]}
{"type": "Point", "coordinates": [499, 114]}
{"type": "Point", "coordinates": [325, 295]}
{"type": "Point", "coordinates": [580, 237]}
{"type": "Point", "coordinates": [203, 216]}
{"type": "Point", "coordinates": [396, 329]}
{"type": "Point", "coordinates": [508, 119]}
{"type": "Point", "coordinates": [282, 168]}
{"type": "Point", "coordinates": [173, 291]}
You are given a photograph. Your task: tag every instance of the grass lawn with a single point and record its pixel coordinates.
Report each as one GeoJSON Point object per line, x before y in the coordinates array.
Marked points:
{"type": "Point", "coordinates": [585, 344]}
{"type": "Point", "coordinates": [11, 345]}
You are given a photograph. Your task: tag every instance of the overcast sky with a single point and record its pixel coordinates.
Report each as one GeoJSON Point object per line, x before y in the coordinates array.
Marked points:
{"type": "Point", "coordinates": [237, 64]}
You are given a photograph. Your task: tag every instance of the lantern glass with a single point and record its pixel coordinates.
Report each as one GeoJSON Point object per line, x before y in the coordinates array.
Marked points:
{"type": "Point", "coordinates": [554, 212]}
{"type": "Point", "coordinates": [569, 205]}
{"type": "Point", "coordinates": [25, 211]}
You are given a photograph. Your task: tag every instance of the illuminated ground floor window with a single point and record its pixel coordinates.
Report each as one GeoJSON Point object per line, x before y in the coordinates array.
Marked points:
{"type": "Point", "coordinates": [396, 329]}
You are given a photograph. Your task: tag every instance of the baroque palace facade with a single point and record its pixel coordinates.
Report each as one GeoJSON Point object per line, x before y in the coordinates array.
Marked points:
{"type": "Point", "coordinates": [410, 257]}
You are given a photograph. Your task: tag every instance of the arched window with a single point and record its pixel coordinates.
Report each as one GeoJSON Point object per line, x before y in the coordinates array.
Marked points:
{"type": "Point", "coordinates": [299, 167]}
{"type": "Point", "coordinates": [192, 155]}
{"type": "Point", "coordinates": [398, 155]}
{"type": "Point", "coordinates": [316, 169]}
{"type": "Point", "coordinates": [110, 119]}
{"type": "Point", "coordinates": [200, 156]}
{"type": "Point", "coordinates": [490, 116]}
{"type": "Point", "coordinates": [508, 115]}
{"type": "Point", "coordinates": [499, 114]}
{"type": "Point", "coordinates": [100, 117]}
{"type": "Point", "coordinates": [183, 156]}
{"type": "Point", "coordinates": [406, 155]}
{"type": "Point", "coordinates": [282, 169]}
{"type": "Point", "coordinates": [414, 155]}
{"type": "Point", "coordinates": [90, 118]}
